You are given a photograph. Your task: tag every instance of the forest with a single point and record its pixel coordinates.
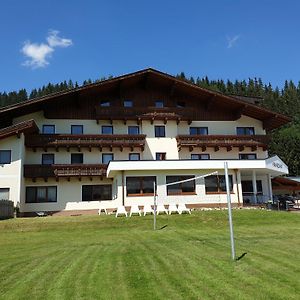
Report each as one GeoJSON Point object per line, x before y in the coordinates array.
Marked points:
{"type": "Point", "coordinates": [285, 141]}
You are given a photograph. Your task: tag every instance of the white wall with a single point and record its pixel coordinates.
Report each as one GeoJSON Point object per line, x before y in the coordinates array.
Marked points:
{"type": "Point", "coordinates": [223, 127]}
{"type": "Point", "coordinates": [69, 195]}
{"type": "Point", "coordinates": [11, 174]}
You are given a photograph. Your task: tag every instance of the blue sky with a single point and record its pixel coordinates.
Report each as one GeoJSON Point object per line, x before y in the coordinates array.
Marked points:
{"type": "Point", "coordinates": [50, 41]}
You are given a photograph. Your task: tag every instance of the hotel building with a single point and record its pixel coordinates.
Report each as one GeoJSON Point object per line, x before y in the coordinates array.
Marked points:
{"type": "Point", "coordinates": [106, 143]}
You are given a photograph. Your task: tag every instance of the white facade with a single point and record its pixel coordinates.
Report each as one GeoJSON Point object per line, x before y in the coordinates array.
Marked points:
{"type": "Point", "coordinates": [69, 191]}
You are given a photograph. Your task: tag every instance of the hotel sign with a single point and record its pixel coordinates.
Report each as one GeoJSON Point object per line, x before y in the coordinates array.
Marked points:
{"type": "Point", "coordinates": [277, 165]}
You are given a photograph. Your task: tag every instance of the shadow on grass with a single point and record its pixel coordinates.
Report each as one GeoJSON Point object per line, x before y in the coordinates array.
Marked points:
{"type": "Point", "coordinates": [240, 257]}
{"type": "Point", "coordinates": [163, 227]}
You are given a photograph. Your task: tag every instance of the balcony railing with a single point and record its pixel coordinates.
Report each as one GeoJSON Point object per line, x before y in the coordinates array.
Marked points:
{"type": "Point", "coordinates": [83, 140]}
{"type": "Point", "coordinates": [227, 141]}
{"type": "Point", "coordinates": [144, 113]}
{"type": "Point", "coordinates": [56, 171]}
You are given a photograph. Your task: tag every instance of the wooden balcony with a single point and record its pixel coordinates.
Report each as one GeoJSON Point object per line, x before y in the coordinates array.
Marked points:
{"type": "Point", "coordinates": [65, 171]}
{"type": "Point", "coordinates": [227, 141]}
{"type": "Point", "coordinates": [79, 141]}
{"type": "Point", "coordinates": [145, 113]}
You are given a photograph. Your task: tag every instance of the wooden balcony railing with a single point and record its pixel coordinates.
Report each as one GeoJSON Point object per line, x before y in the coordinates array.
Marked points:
{"type": "Point", "coordinates": [145, 113]}
{"type": "Point", "coordinates": [56, 171]}
{"type": "Point", "coordinates": [93, 140]}
{"type": "Point", "coordinates": [227, 141]}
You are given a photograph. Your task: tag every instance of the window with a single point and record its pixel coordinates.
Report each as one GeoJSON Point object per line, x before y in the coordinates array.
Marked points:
{"type": "Point", "coordinates": [198, 131]}
{"type": "Point", "coordinates": [48, 129]}
{"type": "Point", "coordinates": [133, 130]}
{"type": "Point", "coordinates": [160, 155]}
{"type": "Point", "coordinates": [4, 193]}
{"type": "Point", "coordinates": [77, 158]}
{"type": "Point", "coordinates": [247, 156]}
{"type": "Point", "coordinates": [159, 103]}
{"type": "Point", "coordinates": [217, 184]}
{"type": "Point", "coordinates": [5, 157]}
{"type": "Point", "coordinates": [134, 156]}
{"type": "Point", "coordinates": [96, 192]}
{"type": "Point", "coordinates": [245, 131]}
{"type": "Point", "coordinates": [107, 129]}
{"type": "Point", "coordinates": [200, 156]}
{"type": "Point", "coordinates": [180, 104]}
{"type": "Point", "coordinates": [159, 131]}
{"type": "Point", "coordinates": [140, 186]}
{"type": "Point", "coordinates": [105, 103]}
{"type": "Point", "coordinates": [47, 159]}
{"type": "Point", "coordinates": [76, 129]}
{"type": "Point", "coordinates": [183, 188]}
{"type": "Point", "coordinates": [128, 103]}
{"type": "Point", "coordinates": [107, 157]}
{"type": "Point", "coordinates": [247, 187]}
{"type": "Point", "coordinates": [41, 194]}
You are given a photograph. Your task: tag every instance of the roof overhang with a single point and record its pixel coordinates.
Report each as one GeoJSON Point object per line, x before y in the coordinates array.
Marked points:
{"type": "Point", "coordinates": [26, 127]}
{"type": "Point", "coordinates": [273, 166]}
{"type": "Point", "coordinates": [270, 119]}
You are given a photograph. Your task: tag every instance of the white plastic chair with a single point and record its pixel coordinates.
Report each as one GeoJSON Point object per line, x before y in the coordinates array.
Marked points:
{"type": "Point", "coordinates": [102, 209]}
{"type": "Point", "coordinates": [121, 211]}
{"type": "Point", "coordinates": [134, 209]}
{"type": "Point", "coordinates": [161, 208]}
{"type": "Point", "coordinates": [182, 208]}
{"type": "Point", "coordinates": [148, 209]}
{"type": "Point", "coordinates": [173, 208]}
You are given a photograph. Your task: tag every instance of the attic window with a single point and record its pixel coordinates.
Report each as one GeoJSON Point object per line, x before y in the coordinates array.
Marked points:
{"type": "Point", "coordinates": [105, 103]}
{"type": "Point", "coordinates": [128, 103]}
{"type": "Point", "coordinates": [159, 103]}
{"type": "Point", "coordinates": [180, 104]}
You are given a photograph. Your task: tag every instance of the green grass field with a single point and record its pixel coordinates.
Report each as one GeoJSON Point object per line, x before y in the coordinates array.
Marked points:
{"type": "Point", "coordinates": [101, 257]}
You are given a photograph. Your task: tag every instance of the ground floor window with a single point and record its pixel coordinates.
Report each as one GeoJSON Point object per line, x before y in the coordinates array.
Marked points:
{"type": "Point", "coordinates": [4, 193]}
{"type": "Point", "coordinates": [183, 188]}
{"type": "Point", "coordinates": [217, 184]}
{"type": "Point", "coordinates": [41, 194]}
{"type": "Point", "coordinates": [140, 186]}
{"type": "Point", "coordinates": [96, 192]}
{"type": "Point", "coordinates": [247, 186]}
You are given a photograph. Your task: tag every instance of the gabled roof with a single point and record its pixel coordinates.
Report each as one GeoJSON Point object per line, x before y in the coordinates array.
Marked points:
{"type": "Point", "coordinates": [271, 119]}
{"type": "Point", "coordinates": [25, 127]}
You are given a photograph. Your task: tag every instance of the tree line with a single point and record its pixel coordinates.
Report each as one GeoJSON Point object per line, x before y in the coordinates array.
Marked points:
{"type": "Point", "coordinates": [285, 140]}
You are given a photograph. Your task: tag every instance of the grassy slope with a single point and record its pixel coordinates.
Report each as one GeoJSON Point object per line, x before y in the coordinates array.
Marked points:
{"type": "Point", "coordinates": [107, 258]}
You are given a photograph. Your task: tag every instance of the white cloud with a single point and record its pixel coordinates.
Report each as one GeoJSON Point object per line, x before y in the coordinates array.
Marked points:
{"type": "Point", "coordinates": [38, 54]}
{"type": "Point", "coordinates": [55, 41]}
{"type": "Point", "coordinates": [231, 41]}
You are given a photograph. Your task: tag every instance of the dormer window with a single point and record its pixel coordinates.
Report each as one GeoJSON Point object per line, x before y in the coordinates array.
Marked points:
{"type": "Point", "coordinates": [128, 103]}
{"type": "Point", "coordinates": [159, 103]}
{"type": "Point", "coordinates": [105, 103]}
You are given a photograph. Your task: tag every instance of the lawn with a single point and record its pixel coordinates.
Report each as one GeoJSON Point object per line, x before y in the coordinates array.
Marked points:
{"type": "Point", "coordinates": [101, 257]}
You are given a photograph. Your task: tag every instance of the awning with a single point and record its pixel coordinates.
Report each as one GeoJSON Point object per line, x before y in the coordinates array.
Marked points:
{"type": "Point", "coordinates": [273, 165]}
